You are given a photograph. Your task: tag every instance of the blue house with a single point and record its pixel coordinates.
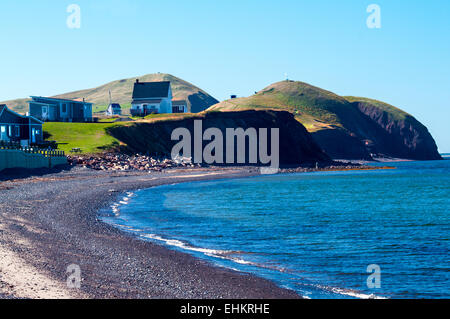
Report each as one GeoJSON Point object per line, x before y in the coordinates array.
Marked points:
{"type": "Point", "coordinates": [18, 128]}
{"type": "Point", "coordinates": [60, 110]}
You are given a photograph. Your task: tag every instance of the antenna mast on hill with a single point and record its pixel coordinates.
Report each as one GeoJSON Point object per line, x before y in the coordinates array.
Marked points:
{"type": "Point", "coordinates": [110, 99]}
{"type": "Point", "coordinates": [286, 76]}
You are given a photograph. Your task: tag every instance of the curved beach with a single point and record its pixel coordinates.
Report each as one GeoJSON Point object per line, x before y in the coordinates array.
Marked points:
{"type": "Point", "coordinates": [50, 222]}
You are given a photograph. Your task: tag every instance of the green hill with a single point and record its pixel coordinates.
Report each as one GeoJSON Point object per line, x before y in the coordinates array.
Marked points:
{"type": "Point", "coordinates": [315, 108]}
{"type": "Point", "coordinates": [121, 91]}
{"type": "Point", "coordinates": [345, 127]}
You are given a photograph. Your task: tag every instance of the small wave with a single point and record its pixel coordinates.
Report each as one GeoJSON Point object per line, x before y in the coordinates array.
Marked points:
{"type": "Point", "coordinates": [356, 294]}
{"type": "Point", "coordinates": [345, 292]}
{"type": "Point", "coordinates": [125, 201]}
{"type": "Point", "coordinates": [182, 245]}
{"type": "Point", "coordinates": [222, 254]}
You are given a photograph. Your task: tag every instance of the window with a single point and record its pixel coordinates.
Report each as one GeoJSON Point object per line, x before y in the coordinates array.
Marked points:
{"type": "Point", "coordinates": [178, 109]}
{"type": "Point", "coordinates": [10, 131]}
{"type": "Point", "coordinates": [64, 108]}
{"type": "Point", "coordinates": [3, 133]}
{"type": "Point", "coordinates": [17, 128]}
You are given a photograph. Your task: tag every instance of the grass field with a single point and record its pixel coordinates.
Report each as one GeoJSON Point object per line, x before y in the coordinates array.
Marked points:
{"type": "Point", "coordinates": [89, 137]}
{"type": "Point", "coordinates": [92, 138]}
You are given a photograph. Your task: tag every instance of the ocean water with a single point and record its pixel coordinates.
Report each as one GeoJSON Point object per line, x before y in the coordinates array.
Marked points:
{"type": "Point", "coordinates": [315, 233]}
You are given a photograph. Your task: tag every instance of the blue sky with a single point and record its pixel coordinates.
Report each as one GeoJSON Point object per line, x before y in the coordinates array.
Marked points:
{"type": "Point", "coordinates": [236, 47]}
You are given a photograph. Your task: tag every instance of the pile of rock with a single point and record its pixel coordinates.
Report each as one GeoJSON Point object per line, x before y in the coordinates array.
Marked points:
{"type": "Point", "coordinates": [122, 162]}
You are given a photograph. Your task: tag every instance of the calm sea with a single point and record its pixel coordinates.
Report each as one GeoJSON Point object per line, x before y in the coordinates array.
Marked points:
{"type": "Point", "coordinates": [316, 233]}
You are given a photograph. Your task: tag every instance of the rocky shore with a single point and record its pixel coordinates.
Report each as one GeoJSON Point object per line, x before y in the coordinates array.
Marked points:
{"type": "Point", "coordinates": [48, 222]}
{"type": "Point", "coordinates": [123, 162]}
{"type": "Point", "coordinates": [138, 162]}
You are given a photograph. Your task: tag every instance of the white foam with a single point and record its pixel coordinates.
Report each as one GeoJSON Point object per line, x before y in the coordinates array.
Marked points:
{"type": "Point", "coordinates": [125, 201]}
{"type": "Point", "coordinates": [216, 253]}
{"type": "Point", "coordinates": [348, 292]}
{"type": "Point", "coordinates": [180, 244]}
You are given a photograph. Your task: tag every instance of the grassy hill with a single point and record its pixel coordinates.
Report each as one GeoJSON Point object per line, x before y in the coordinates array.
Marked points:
{"type": "Point", "coordinates": [314, 107]}
{"type": "Point", "coordinates": [345, 127]}
{"type": "Point", "coordinates": [17, 105]}
{"type": "Point", "coordinates": [121, 90]}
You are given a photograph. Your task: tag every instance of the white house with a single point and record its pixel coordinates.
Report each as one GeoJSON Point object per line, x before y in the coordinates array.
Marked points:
{"type": "Point", "coordinates": [151, 98]}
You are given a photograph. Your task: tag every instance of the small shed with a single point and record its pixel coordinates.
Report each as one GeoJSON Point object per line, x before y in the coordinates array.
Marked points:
{"type": "Point", "coordinates": [114, 109]}
{"type": "Point", "coordinates": [179, 106]}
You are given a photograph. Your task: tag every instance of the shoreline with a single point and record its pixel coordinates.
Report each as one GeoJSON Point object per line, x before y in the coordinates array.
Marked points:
{"type": "Point", "coordinates": [44, 240]}
{"type": "Point", "coordinates": [51, 222]}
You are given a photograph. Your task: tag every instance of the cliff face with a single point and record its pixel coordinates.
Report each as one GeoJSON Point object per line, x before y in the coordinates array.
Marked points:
{"type": "Point", "coordinates": [340, 144]}
{"type": "Point", "coordinates": [398, 134]}
{"type": "Point", "coordinates": [296, 144]}
{"type": "Point", "coordinates": [344, 127]}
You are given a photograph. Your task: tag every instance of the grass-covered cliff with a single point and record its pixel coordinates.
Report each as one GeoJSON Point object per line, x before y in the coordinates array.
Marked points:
{"type": "Point", "coordinates": [345, 127]}
{"type": "Point", "coordinates": [153, 135]}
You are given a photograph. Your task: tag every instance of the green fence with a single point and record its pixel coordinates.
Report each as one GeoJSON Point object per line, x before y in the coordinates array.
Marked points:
{"type": "Point", "coordinates": [14, 156]}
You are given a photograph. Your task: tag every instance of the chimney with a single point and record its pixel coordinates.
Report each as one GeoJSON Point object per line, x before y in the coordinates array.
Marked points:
{"type": "Point", "coordinates": [137, 80]}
